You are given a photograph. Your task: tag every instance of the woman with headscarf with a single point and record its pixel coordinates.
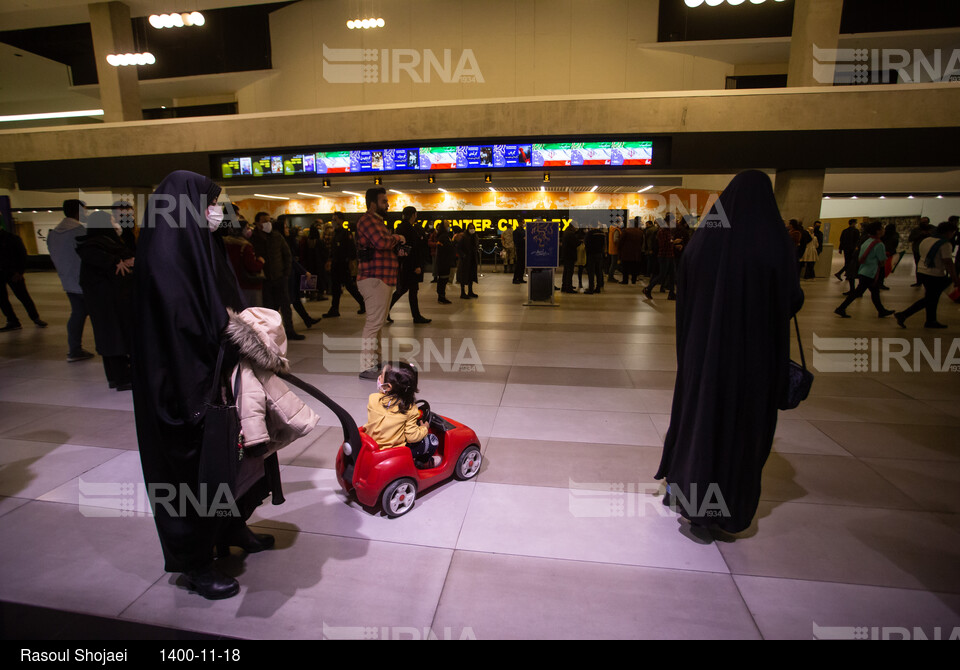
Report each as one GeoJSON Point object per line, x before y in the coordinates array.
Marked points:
{"type": "Point", "coordinates": [184, 286]}
{"type": "Point", "coordinates": [733, 351]}
{"type": "Point", "coordinates": [106, 267]}
{"type": "Point", "coordinates": [468, 251]}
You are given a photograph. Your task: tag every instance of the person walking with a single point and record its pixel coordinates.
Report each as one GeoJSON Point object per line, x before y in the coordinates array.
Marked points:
{"type": "Point", "coordinates": [62, 245]}
{"type": "Point", "coordinates": [377, 276]}
{"type": "Point", "coordinates": [848, 246]}
{"type": "Point", "coordinates": [247, 266]}
{"type": "Point", "coordinates": [872, 258]}
{"type": "Point", "coordinates": [13, 264]}
{"type": "Point", "coordinates": [412, 264]}
{"type": "Point", "coordinates": [922, 231]}
{"type": "Point", "coordinates": [343, 257]}
{"type": "Point", "coordinates": [936, 270]}
{"type": "Point", "coordinates": [737, 289]}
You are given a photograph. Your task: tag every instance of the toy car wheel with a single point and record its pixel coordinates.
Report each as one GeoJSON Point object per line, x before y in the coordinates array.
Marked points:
{"type": "Point", "coordinates": [398, 497]}
{"type": "Point", "coordinates": [468, 465]}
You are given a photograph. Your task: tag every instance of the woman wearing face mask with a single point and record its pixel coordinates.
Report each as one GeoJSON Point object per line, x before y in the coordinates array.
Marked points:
{"type": "Point", "coordinates": [106, 268]}
{"type": "Point", "coordinates": [247, 266]}
{"type": "Point", "coordinates": [184, 287]}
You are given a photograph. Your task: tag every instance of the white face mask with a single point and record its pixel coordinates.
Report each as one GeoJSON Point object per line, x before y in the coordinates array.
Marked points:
{"type": "Point", "coordinates": [268, 227]}
{"type": "Point", "coordinates": [214, 216]}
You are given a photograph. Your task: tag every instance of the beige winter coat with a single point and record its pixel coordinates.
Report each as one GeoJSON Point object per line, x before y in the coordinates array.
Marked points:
{"type": "Point", "coordinates": [270, 413]}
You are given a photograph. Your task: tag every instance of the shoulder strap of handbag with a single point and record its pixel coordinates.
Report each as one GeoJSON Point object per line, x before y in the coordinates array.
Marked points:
{"type": "Point", "coordinates": [931, 258]}
{"type": "Point", "coordinates": [796, 325]}
{"type": "Point", "coordinates": [215, 385]}
{"type": "Point", "coordinates": [869, 249]}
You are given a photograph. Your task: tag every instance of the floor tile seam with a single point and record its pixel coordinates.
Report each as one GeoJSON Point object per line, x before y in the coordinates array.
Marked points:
{"type": "Point", "coordinates": [78, 476]}
{"type": "Point", "coordinates": [587, 562]}
{"type": "Point", "coordinates": [120, 616]}
{"type": "Point", "coordinates": [848, 582]}
{"type": "Point", "coordinates": [919, 509]}
{"type": "Point", "coordinates": [5, 436]}
{"type": "Point", "coordinates": [453, 553]}
{"type": "Point", "coordinates": [576, 409]}
{"type": "Point", "coordinates": [905, 491]}
{"type": "Point", "coordinates": [266, 523]}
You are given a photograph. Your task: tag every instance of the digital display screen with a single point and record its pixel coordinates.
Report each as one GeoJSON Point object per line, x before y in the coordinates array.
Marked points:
{"type": "Point", "coordinates": [438, 158]}
{"type": "Point", "coordinates": [462, 157]}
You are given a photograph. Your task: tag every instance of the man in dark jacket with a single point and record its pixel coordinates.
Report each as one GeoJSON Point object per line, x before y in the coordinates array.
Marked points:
{"type": "Point", "coordinates": [849, 245]}
{"type": "Point", "coordinates": [13, 263]}
{"type": "Point", "coordinates": [277, 265]}
{"type": "Point", "coordinates": [412, 264]}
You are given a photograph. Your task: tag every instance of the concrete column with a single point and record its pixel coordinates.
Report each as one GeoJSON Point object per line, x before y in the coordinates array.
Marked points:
{"type": "Point", "coordinates": [119, 87]}
{"type": "Point", "coordinates": [815, 22]}
{"type": "Point", "coordinates": [799, 194]}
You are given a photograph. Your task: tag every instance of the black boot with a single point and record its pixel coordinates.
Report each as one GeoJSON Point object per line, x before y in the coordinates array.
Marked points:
{"type": "Point", "coordinates": [211, 584]}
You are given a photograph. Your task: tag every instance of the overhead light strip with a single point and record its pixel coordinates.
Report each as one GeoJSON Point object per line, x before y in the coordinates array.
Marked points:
{"type": "Point", "coordinates": [271, 197]}
{"type": "Point", "coordinates": [52, 115]}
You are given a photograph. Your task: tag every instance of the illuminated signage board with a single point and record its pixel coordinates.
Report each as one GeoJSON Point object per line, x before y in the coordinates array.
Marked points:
{"type": "Point", "coordinates": [637, 153]}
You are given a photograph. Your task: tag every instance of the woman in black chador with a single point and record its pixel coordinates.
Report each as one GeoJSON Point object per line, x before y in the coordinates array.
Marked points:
{"type": "Point", "coordinates": [737, 289]}
{"type": "Point", "coordinates": [106, 266]}
{"type": "Point", "coordinates": [184, 286]}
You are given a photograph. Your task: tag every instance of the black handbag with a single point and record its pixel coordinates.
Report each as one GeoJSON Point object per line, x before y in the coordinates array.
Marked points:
{"type": "Point", "coordinates": [799, 378]}
{"type": "Point", "coordinates": [222, 447]}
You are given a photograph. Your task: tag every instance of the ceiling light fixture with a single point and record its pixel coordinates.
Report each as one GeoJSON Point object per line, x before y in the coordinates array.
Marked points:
{"type": "Point", "coordinates": [271, 197]}
{"type": "Point", "coordinates": [120, 60]}
{"type": "Point", "coordinates": [393, 190]}
{"type": "Point", "coordinates": [365, 24]}
{"type": "Point", "coordinates": [645, 188]}
{"type": "Point", "coordinates": [593, 189]}
{"type": "Point", "coordinates": [51, 115]}
{"type": "Point", "coordinates": [311, 195]}
{"type": "Point", "coordinates": [178, 20]}
{"type": "Point", "coordinates": [352, 193]}
{"type": "Point", "coordinates": [442, 190]}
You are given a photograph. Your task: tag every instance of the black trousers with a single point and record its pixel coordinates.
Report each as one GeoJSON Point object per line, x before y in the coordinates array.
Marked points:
{"type": "Point", "coordinates": [520, 266]}
{"type": "Point", "coordinates": [865, 284]}
{"type": "Point", "coordinates": [276, 296]}
{"type": "Point", "coordinates": [412, 289]}
{"type": "Point", "coordinates": [933, 287]}
{"type": "Point", "coordinates": [336, 289]}
{"type": "Point", "coordinates": [19, 288]}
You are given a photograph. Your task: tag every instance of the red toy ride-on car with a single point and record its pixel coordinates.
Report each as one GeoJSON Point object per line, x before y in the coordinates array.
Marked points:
{"type": "Point", "coordinates": [393, 479]}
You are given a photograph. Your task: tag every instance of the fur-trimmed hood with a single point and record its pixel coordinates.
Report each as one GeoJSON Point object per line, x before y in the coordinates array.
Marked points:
{"type": "Point", "coordinates": [258, 334]}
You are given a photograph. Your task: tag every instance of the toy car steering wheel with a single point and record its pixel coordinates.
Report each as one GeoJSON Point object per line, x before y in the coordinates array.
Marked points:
{"type": "Point", "coordinates": [425, 414]}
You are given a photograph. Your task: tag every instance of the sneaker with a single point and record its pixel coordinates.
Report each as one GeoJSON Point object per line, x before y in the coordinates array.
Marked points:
{"type": "Point", "coordinates": [444, 301]}
{"type": "Point", "coordinates": [40, 323]}
{"type": "Point", "coordinates": [647, 292]}
{"type": "Point", "coordinates": [841, 313]}
{"type": "Point", "coordinates": [371, 373]}
{"type": "Point", "coordinates": [422, 319]}
{"type": "Point", "coordinates": [296, 336]}
{"type": "Point", "coordinates": [331, 315]}
{"type": "Point", "coordinates": [934, 325]}
{"type": "Point", "coordinates": [11, 326]}
{"type": "Point", "coordinates": [81, 355]}
{"type": "Point", "coordinates": [885, 313]}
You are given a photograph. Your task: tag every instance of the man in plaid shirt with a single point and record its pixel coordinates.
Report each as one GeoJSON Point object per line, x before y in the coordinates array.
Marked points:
{"type": "Point", "coordinates": [377, 276]}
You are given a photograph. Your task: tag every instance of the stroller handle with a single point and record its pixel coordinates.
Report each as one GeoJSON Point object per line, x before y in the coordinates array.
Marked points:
{"type": "Point", "coordinates": [351, 434]}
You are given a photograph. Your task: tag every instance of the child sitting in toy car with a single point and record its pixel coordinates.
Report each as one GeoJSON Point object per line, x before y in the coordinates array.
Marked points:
{"type": "Point", "coordinates": [393, 418]}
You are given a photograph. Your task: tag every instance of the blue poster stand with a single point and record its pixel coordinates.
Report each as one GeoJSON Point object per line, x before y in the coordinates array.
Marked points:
{"type": "Point", "coordinates": [543, 257]}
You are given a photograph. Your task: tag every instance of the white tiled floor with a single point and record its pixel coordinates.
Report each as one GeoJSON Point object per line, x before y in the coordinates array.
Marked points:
{"type": "Point", "coordinates": [562, 535]}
